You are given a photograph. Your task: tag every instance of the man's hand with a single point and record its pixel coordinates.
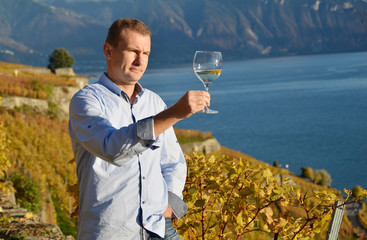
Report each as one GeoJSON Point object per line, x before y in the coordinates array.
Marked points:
{"type": "Point", "coordinates": [190, 103]}
{"type": "Point", "coordinates": [168, 213]}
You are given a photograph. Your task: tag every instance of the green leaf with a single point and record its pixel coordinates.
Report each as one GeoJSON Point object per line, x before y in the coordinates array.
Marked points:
{"type": "Point", "coordinates": [199, 203]}
{"type": "Point", "coordinates": [246, 191]}
{"type": "Point", "coordinates": [192, 190]}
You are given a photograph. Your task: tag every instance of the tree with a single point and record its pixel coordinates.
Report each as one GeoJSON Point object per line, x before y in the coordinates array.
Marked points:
{"type": "Point", "coordinates": [322, 177]}
{"type": "Point", "coordinates": [60, 58]}
{"type": "Point", "coordinates": [308, 173]}
{"type": "Point", "coordinates": [318, 176]}
{"type": "Point", "coordinates": [357, 191]}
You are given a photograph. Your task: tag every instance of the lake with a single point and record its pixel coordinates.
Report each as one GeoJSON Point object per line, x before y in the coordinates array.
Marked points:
{"type": "Point", "coordinates": [303, 111]}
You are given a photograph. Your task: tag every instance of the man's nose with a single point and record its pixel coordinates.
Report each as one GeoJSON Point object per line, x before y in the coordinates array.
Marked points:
{"type": "Point", "coordinates": [139, 60]}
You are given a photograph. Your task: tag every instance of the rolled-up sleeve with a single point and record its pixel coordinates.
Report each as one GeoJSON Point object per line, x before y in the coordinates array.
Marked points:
{"type": "Point", "coordinates": [89, 127]}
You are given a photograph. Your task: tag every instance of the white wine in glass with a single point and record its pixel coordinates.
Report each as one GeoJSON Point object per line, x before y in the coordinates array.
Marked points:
{"type": "Point", "coordinates": [207, 67]}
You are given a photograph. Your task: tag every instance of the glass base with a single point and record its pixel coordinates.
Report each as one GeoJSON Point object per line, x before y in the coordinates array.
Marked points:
{"type": "Point", "coordinates": [209, 111]}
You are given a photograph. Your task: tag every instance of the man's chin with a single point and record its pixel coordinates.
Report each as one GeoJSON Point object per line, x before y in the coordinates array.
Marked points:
{"type": "Point", "coordinates": [135, 78]}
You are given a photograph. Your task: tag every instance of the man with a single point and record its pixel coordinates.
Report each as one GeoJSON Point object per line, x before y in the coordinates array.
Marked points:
{"type": "Point", "coordinates": [130, 167]}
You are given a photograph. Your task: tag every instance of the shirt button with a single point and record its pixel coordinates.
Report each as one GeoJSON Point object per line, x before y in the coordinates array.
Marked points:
{"type": "Point", "coordinates": [143, 178]}
{"type": "Point", "coordinates": [143, 202]}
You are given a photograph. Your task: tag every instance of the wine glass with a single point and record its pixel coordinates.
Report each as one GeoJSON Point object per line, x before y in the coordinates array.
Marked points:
{"type": "Point", "coordinates": [207, 67]}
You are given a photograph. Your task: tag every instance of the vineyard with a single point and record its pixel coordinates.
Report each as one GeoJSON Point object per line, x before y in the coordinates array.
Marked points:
{"type": "Point", "coordinates": [22, 81]}
{"type": "Point", "coordinates": [230, 194]}
{"type": "Point", "coordinates": [229, 197]}
{"type": "Point", "coordinates": [235, 198]}
{"type": "Point", "coordinates": [40, 149]}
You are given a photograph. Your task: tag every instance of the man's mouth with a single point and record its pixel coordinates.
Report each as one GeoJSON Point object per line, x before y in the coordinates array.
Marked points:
{"type": "Point", "coordinates": [133, 69]}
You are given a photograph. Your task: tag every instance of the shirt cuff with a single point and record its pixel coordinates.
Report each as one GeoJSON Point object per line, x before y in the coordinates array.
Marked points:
{"type": "Point", "coordinates": [145, 129]}
{"type": "Point", "coordinates": [145, 132]}
{"type": "Point", "coordinates": [177, 205]}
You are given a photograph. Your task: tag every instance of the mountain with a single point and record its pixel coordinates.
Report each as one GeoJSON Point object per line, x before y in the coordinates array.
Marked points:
{"type": "Point", "coordinates": [30, 31]}
{"type": "Point", "coordinates": [238, 28]}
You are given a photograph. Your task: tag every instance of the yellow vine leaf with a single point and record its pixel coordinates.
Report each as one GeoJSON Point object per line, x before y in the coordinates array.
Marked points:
{"type": "Point", "coordinates": [269, 215]}
{"type": "Point", "coordinates": [239, 219]}
{"type": "Point", "coordinates": [211, 159]}
{"type": "Point", "coordinates": [267, 173]}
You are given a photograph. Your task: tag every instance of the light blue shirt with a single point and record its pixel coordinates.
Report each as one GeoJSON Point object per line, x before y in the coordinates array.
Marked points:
{"type": "Point", "coordinates": [127, 176]}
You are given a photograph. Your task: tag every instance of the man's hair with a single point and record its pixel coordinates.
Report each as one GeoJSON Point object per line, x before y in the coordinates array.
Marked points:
{"type": "Point", "coordinates": [115, 31]}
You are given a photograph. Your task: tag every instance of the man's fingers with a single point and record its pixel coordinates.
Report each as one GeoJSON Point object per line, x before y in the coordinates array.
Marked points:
{"type": "Point", "coordinates": [191, 102]}
{"type": "Point", "coordinates": [198, 100]}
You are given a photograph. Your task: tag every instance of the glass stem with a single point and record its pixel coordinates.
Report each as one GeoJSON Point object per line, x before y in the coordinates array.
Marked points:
{"type": "Point", "coordinates": [206, 88]}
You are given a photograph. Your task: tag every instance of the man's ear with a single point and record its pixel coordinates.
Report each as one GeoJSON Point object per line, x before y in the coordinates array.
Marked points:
{"type": "Point", "coordinates": [107, 50]}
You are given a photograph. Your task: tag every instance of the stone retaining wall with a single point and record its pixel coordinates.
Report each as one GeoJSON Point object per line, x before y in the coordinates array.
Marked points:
{"type": "Point", "coordinates": [28, 225]}
{"type": "Point", "coordinates": [206, 146]}
{"type": "Point", "coordinates": [38, 105]}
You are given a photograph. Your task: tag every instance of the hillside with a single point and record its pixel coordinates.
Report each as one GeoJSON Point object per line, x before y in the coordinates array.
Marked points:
{"type": "Point", "coordinates": [30, 30]}
{"type": "Point", "coordinates": [36, 150]}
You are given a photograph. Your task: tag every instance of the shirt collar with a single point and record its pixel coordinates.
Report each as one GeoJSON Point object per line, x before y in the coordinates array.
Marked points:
{"type": "Point", "coordinates": [110, 85]}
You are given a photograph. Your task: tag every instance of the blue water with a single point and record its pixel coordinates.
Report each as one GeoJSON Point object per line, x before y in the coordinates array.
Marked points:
{"type": "Point", "coordinates": [305, 111]}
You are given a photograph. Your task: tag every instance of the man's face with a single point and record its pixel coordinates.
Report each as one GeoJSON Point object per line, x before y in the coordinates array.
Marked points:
{"type": "Point", "coordinates": [128, 61]}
